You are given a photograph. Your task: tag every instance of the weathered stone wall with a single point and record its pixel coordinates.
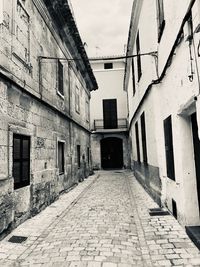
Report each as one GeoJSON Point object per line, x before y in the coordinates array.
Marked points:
{"type": "Point", "coordinates": [22, 114]}
{"type": "Point", "coordinates": [96, 148]}
{"type": "Point", "coordinates": [31, 105]}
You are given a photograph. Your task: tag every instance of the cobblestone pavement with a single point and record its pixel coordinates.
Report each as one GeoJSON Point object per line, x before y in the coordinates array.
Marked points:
{"type": "Point", "coordinates": [103, 222]}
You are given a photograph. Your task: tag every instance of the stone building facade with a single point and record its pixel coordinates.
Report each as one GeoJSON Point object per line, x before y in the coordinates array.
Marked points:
{"type": "Point", "coordinates": [109, 138]}
{"type": "Point", "coordinates": [45, 84]}
{"type": "Point", "coordinates": [162, 81]}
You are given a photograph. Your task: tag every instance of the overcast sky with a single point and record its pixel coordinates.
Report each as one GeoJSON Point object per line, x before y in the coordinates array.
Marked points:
{"type": "Point", "coordinates": [103, 25]}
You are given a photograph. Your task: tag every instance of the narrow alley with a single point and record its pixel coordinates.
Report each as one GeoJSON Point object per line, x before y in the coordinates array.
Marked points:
{"type": "Point", "coordinates": [104, 221]}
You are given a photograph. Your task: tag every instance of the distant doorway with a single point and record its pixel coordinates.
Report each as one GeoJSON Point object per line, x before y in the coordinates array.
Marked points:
{"type": "Point", "coordinates": [111, 153]}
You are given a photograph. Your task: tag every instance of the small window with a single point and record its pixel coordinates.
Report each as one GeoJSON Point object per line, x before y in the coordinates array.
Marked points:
{"type": "Point", "coordinates": [190, 26]}
{"type": "Point", "coordinates": [21, 160]}
{"type": "Point", "coordinates": [133, 75]}
{"type": "Point", "coordinates": [169, 151]}
{"type": "Point", "coordinates": [139, 66]}
{"type": "Point", "coordinates": [137, 142]}
{"type": "Point", "coordinates": [60, 78]}
{"type": "Point", "coordinates": [161, 19]}
{"type": "Point", "coordinates": [79, 156]}
{"type": "Point", "coordinates": [77, 100]}
{"type": "Point", "coordinates": [61, 160]}
{"type": "Point", "coordinates": [108, 66]}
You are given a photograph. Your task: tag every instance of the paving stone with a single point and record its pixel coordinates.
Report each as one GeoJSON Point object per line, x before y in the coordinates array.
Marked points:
{"type": "Point", "coordinates": [108, 226]}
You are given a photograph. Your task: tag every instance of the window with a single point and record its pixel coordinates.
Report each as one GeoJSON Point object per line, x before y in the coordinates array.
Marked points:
{"type": "Point", "coordinates": [77, 100]}
{"type": "Point", "coordinates": [161, 20]}
{"type": "Point", "coordinates": [139, 67]}
{"type": "Point", "coordinates": [88, 155]}
{"type": "Point", "coordinates": [174, 208]}
{"type": "Point", "coordinates": [87, 110]}
{"type": "Point", "coordinates": [133, 75]}
{"type": "Point", "coordinates": [110, 113]}
{"type": "Point", "coordinates": [169, 148]}
{"type": "Point", "coordinates": [190, 26]}
{"type": "Point", "coordinates": [61, 160]}
{"type": "Point", "coordinates": [21, 31]}
{"type": "Point", "coordinates": [78, 155]}
{"type": "Point", "coordinates": [60, 78]}
{"type": "Point", "coordinates": [137, 141]}
{"type": "Point", "coordinates": [108, 65]}
{"type": "Point", "coordinates": [21, 160]}
{"type": "Point", "coordinates": [144, 144]}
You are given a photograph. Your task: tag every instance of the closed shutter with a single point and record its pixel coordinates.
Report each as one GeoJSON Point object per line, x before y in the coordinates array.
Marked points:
{"type": "Point", "coordinates": [144, 143]}
{"type": "Point", "coordinates": [169, 152]}
{"type": "Point", "coordinates": [21, 160]}
{"type": "Point", "coordinates": [61, 157]}
{"type": "Point", "coordinates": [137, 142]}
{"type": "Point", "coordinates": [110, 113]}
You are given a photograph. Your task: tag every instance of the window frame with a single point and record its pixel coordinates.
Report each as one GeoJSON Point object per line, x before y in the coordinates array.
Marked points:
{"type": "Point", "coordinates": [21, 160]}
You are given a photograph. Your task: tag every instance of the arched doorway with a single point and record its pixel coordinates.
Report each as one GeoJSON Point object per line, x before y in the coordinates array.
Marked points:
{"type": "Point", "coordinates": [111, 153]}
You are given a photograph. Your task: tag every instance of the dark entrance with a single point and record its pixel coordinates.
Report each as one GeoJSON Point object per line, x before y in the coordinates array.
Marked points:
{"type": "Point", "coordinates": [196, 143]}
{"type": "Point", "coordinates": [111, 153]}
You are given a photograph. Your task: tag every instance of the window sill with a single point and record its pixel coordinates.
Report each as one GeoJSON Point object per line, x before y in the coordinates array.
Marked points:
{"type": "Point", "coordinates": [19, 186]}
{"type": "Point", "coordinates": [60, 95]}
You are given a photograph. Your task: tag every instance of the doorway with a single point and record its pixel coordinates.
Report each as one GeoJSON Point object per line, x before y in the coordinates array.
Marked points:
{"type": "Point", "coordinates": [110, 113]}
{"type": "Point", "coordinates": [196, 144]}
{"type": "Point", "coordinates": [111, 153]}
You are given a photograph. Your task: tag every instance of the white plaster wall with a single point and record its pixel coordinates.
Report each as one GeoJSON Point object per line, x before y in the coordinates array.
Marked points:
{"type": "Point", "coordinates": [148, 43]}
{"type": "Point", "coordinates": [176, 91]}
{"type": "Point", "coordinates": [174, 14]}
{"type": "Point", "coordinates": [150, 123]}
{"type": "Point", "coordinates": [174, 95]}
{"type": "Point", "coordinates": [110, 87]}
